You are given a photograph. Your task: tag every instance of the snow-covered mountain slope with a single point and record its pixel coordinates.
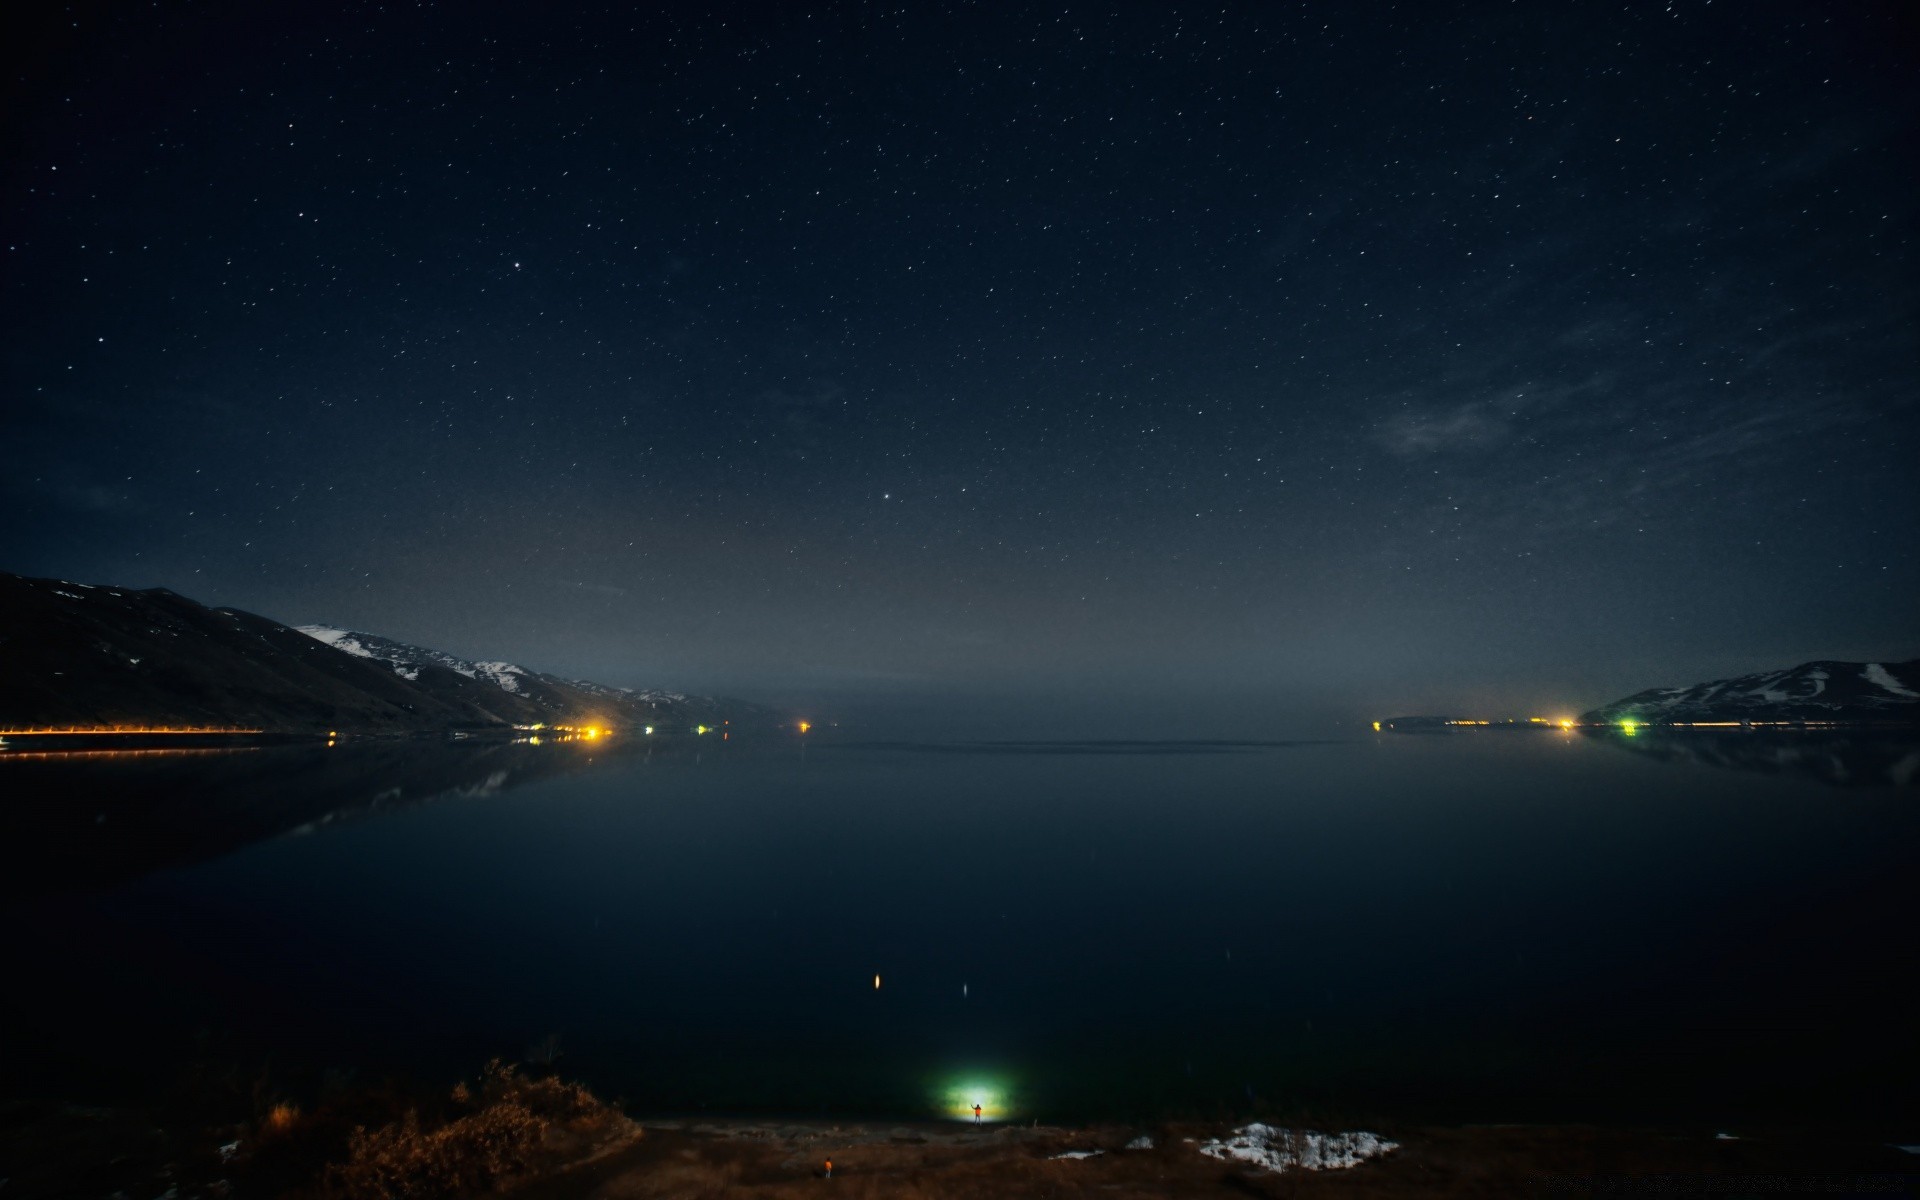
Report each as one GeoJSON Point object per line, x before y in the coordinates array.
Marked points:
{"type": "Point", "coordinates": [1815, 691]}
{"type": "Point", "coordinates": [406, 660]}
{"type": "Point", "coordinates": [649, 695]}
{"type": "Point", "coordinates": [557, 697]}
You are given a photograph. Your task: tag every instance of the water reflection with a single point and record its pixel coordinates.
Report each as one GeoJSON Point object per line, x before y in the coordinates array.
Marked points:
{"type": "Point", "coordinates": [1112, 746]}
{"type": "Point", "coordinates": [1839, 757]}
{"type": "Point", "coordinates": [1485, 926]}
{"type": "Point", "coordinates": [94, 818]}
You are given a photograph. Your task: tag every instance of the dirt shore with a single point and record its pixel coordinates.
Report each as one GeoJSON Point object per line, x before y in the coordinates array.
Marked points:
{"type": "Point", "coordinates": [787, 1159]}
{"type": "Point", "coordinates": [63, 1152]}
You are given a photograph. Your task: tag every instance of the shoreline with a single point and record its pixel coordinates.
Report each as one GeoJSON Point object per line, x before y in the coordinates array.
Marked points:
{"type": "Point", "coordinates": [607, 1154]}
{"type": "Point", "coordinates": [780, 1159]}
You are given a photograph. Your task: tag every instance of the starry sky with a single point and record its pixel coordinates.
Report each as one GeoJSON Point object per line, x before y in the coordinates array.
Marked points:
{"type": "Point", "coordinates": [1138, 365]}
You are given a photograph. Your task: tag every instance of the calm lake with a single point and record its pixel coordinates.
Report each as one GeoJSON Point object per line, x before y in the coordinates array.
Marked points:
{"type": "Point", "coordinates": [1487, 926]}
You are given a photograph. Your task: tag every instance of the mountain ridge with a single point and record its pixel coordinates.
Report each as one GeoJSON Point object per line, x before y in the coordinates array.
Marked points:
{"type": "Point", "coordinates": [1822, 690]}
{"type": "Point", "coordinates": [75, 654]}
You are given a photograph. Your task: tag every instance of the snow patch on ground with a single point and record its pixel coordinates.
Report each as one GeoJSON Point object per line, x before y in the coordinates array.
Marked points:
{"type": "Point", "coordinates": [1879, 676]}
{"type": "Point", "coordinates": [1280, 1150]}
{"type": "Point", "coordinates": [1143, 1142]}
{"type": "Point", "coordinates": [1078, 1154]}
{"type": "Point", "coordinates": [405, 673]}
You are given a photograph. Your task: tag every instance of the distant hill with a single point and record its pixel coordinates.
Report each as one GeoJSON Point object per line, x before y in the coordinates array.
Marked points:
{"type": "Point", "coordinates": [555, 696]}
{"type": "Point", "coordinates": [1815, 691]}
{"type": "Point", "coordinates": [80, 654]}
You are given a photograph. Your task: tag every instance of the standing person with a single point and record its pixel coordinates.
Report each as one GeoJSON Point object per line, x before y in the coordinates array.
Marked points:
{"type": "Point", "coordinates": [976, 1114]}
{"type": "Point", "coordinates": [829, 1168]}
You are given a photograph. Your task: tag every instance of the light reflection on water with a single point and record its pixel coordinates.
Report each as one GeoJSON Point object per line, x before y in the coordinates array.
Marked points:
{"type": "Point", "coordinates": [1493, 926]}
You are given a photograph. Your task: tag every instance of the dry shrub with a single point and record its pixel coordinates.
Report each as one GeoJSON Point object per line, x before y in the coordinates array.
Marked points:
{"type": "Point", "coordinates": [281, 1118]}
{"type": "Point", "coordinates": [504, 1122]}
{"type": "Point", "coordinates": [547, 1097]}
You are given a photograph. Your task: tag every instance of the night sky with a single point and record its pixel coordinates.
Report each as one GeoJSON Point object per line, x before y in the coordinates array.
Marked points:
{"type": "Point", "coordinates": [1127, 366]}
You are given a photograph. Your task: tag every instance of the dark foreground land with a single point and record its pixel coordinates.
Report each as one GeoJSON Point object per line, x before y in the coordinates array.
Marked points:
{"type": "Point", "coordinates": [938, 1161]}
{"type": "Point", "coordinates": [542, 1140]}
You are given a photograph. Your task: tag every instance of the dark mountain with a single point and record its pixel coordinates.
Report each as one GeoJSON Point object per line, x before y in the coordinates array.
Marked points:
{"type": "Point", "coordinates": [1815, 691]}
{"type": "Point", "coordinates": [77, 654]}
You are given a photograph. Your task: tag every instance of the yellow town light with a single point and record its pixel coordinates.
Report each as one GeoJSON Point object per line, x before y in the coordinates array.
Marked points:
{"type": "Point", "coordinates": [805, 725]}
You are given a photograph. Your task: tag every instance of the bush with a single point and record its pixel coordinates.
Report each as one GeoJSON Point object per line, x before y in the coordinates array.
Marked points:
{"type": "Point", "coordinates": [498, 1128]}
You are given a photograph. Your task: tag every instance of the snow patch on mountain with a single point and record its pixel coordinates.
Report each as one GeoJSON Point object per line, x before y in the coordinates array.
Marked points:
{"type": "Point", "coordinates": [1877, 675]}
{"type": "Point", "coordinates": [650, 695]}
{"type": "Point", "coordinates": [503, 675]}
{"type": "Point", "coordinates": [339, 639]}
{"type": "Point", "coordinates": [407, 660]}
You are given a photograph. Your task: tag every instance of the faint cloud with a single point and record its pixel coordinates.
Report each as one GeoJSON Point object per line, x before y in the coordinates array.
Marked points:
{"type": "Point", "coordinates": [90, 498]}
{"type": "Point", "coordinates": [1820, 151]}
{"type": "Point", "coordinates": [74, 493]}
{"type": "Point", "coordinates": [1482, 422]}
{"type": "Point", "coordinates": [805, 417]}
{"type": "Point", "coordinates": [1470, 426]}
{"type": "Point", "coordinates": [1603, 331]}
{"type": "Point", "coordinates": [1759, 437]}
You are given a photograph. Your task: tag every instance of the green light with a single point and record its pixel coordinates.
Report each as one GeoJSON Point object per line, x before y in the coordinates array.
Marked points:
{"type": "Point", "coordinates": [955, 1100]}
